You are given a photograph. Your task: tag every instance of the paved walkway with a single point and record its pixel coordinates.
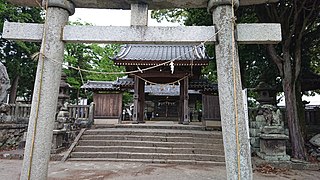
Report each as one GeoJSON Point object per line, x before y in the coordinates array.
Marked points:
{"type": "Point", "coordinates": [10, 169]}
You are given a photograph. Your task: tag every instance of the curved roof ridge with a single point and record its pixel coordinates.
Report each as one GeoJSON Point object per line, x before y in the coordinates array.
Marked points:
{"type": "Point", "coordinates": [163, 52]}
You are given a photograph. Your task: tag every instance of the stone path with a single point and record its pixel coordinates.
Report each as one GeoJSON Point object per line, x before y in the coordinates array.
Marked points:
{"type": "Point", "coordinates": [10, 169]}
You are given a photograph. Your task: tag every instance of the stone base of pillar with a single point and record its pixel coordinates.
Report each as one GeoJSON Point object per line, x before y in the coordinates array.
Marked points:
{"type": "Point", "coordinates": [212, 124]}
{"type": "Point", "coordinates": [273, 157]}
{"type": "Point", "coordinates": [186, 123]}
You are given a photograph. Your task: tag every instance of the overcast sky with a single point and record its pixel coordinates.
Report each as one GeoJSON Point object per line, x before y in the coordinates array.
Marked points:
{"type": "Point", "coordinates": [104, 17]}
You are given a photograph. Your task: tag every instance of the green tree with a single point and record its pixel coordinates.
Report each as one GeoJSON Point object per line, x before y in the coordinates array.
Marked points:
{"type": "Point", "coordinates": [299, 21]}
{"type": "Point", "coordinates": [91, 57]}
{"type": "Point", "coordinates": [17, 55]}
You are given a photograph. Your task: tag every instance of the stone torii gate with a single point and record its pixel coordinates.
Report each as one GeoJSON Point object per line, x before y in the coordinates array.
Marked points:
{"type": "Point", "coordinates": [55, 33]}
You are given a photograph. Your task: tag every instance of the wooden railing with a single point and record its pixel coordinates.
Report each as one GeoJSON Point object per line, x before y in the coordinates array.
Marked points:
{"type": "Point", "coordinates": [20, 113]}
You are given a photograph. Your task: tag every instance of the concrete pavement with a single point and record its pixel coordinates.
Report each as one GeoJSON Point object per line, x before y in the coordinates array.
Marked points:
{"type": "Point", "coordinates": [10, 169]}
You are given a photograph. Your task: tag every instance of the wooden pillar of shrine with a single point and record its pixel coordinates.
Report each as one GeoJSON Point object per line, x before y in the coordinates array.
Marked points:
{"type": "Point", "coordinates": [181, 114]}
{"type": "Point", "coordinates": [184, 105]}
{"type": "Point", "coordinates": [186, 118]}
{"type": "Point", "coordinates": [139, 98]}
{"type": "Point", "coordinates": [135, 100]}
{"type": "Point", "coordinates": [141, 101]}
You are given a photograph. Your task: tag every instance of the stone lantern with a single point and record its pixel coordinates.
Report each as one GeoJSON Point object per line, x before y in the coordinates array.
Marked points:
{"type": "Point", "coordinates": [63, 91]}
{"type": "Point", "coordinates": [62, 122]}
{"type": "Point", "coordinates": [266, 94]}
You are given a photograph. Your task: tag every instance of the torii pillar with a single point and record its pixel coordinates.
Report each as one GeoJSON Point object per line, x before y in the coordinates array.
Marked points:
{"type": "Point", "coordinates": [45, 94]}
{"type": "Point", "coordinates": [238, 160]}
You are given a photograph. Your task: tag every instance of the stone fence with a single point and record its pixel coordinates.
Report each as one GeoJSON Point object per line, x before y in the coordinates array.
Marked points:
{"type": "Point", "coordinates": [14, 124]}
{"type": "Point", "coordinates": [20, 113]}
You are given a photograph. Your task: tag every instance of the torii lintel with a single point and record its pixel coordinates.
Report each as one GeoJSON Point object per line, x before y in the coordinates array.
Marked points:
{"type": "Point", "coordinates": [125, 4]}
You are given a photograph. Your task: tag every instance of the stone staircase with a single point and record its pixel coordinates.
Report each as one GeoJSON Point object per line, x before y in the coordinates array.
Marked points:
{"type": "Point", "coordinates": [150, 145]}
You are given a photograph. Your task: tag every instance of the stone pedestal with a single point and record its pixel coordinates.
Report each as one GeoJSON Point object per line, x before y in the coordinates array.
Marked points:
{"type": "Point", "coordinates": [58, 140]}
{"type": "Point", "coordinates": [273, 144]}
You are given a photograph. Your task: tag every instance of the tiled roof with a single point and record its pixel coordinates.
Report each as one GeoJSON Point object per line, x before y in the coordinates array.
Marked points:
{"type": "Point", "coordinates": [128, 83]}
{"type": "Point", "coordinates": [203, 85]}
{"type": "Point", "coordinates": [147, 54]}
{"type": "Point", "coordinates": [100, 85]}
{"type": "Point", "coordinates": [162, 90]}
{"type": "Point", "coordinates": [124, 82]}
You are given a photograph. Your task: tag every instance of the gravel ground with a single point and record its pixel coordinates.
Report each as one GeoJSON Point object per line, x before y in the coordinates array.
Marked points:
{"type": "Point", "coordinates": [10, 169]}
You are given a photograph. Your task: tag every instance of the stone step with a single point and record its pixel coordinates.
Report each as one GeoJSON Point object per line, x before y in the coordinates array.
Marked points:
{"type": "Point", "coordinates": [153, 126]}
{"type": "Point", "coordinates": [155, 132]}
{"type": "Point", "coordinates": [156, 161]}
{"type": "Point", "coordinates": [125, 155]}
{"type": "Point", "coordinates": [152, 138]}
{"type": "Point", "coordinates": [130, 149]}
{"type": "Point", "coordinates": [148, 144]}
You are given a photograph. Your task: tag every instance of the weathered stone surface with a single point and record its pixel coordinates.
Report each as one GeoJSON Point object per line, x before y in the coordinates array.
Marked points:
{"type": "Point", "coordinates": [122, 34]}
{"type": "Point", "coordinates": [273, 147]}
{"type": "Point", "coordinates": [4, 86]}
{"type": "Point", "coordinates": [257, 124]}
{"type": "Point", "coordinates": [276, 158]}
{"type": "Point", "coordinates": [214, 3]}
{"type": "Point", "coordinates": [125, 4]}
{"type": "Point", "coordinates": [315, 140]}
{"type": "Point", "coordinates": [260, 118]}
{"type": "Point", "coordinates": [11, 136]}
{"type": "Point", "coordinates": [230, 98]}
{"type": "Point", "coordinates": [139, 15]}
{"type": "Point", "coordinates": [64, 4]}
{"type": "Point", "coordinates": [22, 31]}
{"type": "Point", "coordinates": [262, 33]}
{"type": "Point", "coordinates": [254, 132]}
{"type": "Point", "coordinates": [109, 34]}
{"type": "Point", "coordinates": [137, 34]}
{"type": "Point", "coordinates": [43, 108]}
{"type": "Point", "coordinates": [274, 136]}
{"type": "Point", "coordinates": [255, 142]}
{"type": "Point", "coordinates": [272, 130]}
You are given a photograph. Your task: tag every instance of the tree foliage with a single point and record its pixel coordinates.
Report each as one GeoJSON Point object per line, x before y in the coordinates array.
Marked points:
{"type": "Point", "coordinates": [17, 55]}
{"type": "Point", "coordinates": [300, 26]}
{"type": "Point", "coordinates": [92, 57]}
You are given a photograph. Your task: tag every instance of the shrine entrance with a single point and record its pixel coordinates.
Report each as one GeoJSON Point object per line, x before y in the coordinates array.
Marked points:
{"type": "Point", "coordinates": [168, 83]}
{"type": "Point", "coordinates": [165, 109]}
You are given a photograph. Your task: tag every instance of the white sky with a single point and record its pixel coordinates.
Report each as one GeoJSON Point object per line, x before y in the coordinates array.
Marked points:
{"type": "Point", "coordinates": [107, 17]}
{"type": "Point", "coordinates": [314, 100]}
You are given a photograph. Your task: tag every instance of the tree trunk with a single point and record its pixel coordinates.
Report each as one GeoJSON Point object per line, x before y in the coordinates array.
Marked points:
{"type": "Point", "coordinates": [13, 90]}
{"type": "Point", "coordinates": [290, 86]}
{"type": "Point", "coordinates": [296, 138]}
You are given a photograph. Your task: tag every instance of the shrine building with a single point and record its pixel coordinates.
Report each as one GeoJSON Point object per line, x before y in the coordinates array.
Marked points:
{"type": "Point", "coordinates": [171, 91]}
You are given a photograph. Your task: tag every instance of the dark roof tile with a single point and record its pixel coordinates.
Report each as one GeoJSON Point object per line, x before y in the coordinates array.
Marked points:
{"type": "Point", "coordinates": [143, 52]}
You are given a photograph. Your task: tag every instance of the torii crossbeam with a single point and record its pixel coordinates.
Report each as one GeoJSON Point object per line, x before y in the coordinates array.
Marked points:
{"type": "Point", "coordinates": [55, 33]}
